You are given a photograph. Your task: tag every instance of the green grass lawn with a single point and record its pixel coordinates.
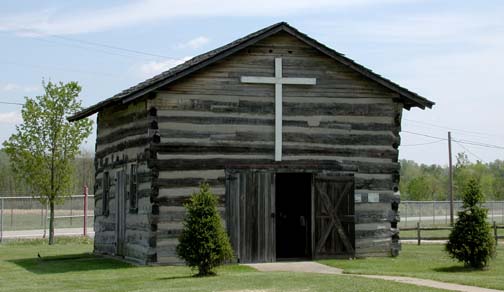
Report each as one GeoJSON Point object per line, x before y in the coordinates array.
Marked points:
{"type": "Point", "coordinates": [428, 262]}
{"type": "Point", "coordinates": [69, 266]}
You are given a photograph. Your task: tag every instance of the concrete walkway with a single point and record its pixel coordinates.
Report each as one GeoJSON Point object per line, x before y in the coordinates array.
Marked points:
{"type": "Point", "coordinates": [302, 267]}
{"type": "Point", "coordinates": [430, 283]}
{"type": "Point", "coordinates": [314, 267]}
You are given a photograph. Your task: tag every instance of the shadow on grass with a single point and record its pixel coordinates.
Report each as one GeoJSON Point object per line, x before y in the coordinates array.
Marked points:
{"type": "Point", "coordinates": [455, 269]}
{"type": "Point", "coordinates": [69, 263]}
{"type": "Point", "coordinates": [175, 278]}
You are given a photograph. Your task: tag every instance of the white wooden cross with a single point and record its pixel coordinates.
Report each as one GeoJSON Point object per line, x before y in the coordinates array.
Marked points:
{"type": "Point", "coordinates": [278, 80]}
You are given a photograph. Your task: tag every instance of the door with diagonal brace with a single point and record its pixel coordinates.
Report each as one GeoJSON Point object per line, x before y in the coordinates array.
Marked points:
{"type": "Point", "coordinates": [334, 219]}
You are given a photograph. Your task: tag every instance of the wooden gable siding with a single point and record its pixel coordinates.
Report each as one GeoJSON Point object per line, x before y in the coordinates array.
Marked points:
{"type": "Point", "coordinates": [211, 119]}
{"type": "Point", "coordinates": [122, 137]}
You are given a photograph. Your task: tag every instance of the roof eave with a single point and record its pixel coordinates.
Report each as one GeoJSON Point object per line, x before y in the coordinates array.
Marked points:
{"type": "Point", "coordinates": [412, 98]}
{"type": "Point", "coordinates": [418, 101]}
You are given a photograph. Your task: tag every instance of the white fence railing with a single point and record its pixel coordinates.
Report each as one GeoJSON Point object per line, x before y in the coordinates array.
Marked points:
{"type": "Point", "coordinates": [26, 213]}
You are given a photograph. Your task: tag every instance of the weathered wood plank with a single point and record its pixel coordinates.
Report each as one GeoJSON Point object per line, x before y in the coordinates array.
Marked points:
{"type": "Point", "coordinates": [195, 164]}
{"type": "Point", "coordinates": [332, 138]}
{"type": "Point", "coordinates": [288, 150]}
{"type": "Point", "coordinates": [289, 109]}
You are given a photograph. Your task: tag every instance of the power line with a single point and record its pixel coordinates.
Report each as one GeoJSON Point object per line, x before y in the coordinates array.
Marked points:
{"type": "Point", "coordinates": [424, 135]}
{"type": "Point", "coordinates": [87, 48]}
{"type": "Point", "coordinates": [95, 44]}
{"type": "Point", "coordinates": [111, 47]}
{"type": "Point", "coordinates": [467, 142]}
{"type": "Point", "coordinates": [42, 67]}
{"type": "Point", "coordinates": [470, 152]}
{"type": "Point", "coordinates": [454, 129]}
{"type": "Point", "coordinates": [421, 144]}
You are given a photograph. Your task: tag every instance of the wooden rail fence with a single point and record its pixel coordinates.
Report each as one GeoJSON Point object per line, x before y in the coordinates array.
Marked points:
{"type": "Point", "coordinates": [419, 230]}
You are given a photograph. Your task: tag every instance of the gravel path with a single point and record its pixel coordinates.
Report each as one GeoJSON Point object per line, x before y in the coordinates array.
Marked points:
{"type": "Point", "coordinates": [314, 267]}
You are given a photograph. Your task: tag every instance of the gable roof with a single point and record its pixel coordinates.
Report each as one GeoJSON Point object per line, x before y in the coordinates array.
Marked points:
{"type": "Point", "coordinates": [409, 98]}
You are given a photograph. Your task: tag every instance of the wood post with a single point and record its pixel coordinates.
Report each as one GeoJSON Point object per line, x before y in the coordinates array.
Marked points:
{"type": "Point", "coordinates": [418, 232]}
{"type": "Point", "coordinates": [495, 233]}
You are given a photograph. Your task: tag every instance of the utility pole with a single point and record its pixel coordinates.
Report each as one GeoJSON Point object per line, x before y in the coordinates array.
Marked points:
{"type": "Point", "coordinates": [450, 178]}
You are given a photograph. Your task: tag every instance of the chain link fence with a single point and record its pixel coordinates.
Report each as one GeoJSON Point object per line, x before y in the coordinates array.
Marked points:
{"type": "Point", "coordinates": [25, 216]}
{"type": "Point", "coordinates": [432, 213]}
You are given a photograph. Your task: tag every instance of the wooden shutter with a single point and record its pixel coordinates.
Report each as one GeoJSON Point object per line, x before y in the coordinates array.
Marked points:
{"type": "Point", "coordinates": [334, 218]}
{"type": "Point", "coordinates": [250, 208]}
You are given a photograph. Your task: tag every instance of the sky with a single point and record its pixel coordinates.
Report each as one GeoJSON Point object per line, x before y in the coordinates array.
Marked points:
{"type": "Point", "coordinates": [450, 52]}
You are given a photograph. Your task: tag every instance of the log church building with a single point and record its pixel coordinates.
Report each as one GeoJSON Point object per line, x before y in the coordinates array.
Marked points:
{"type": "Point", "coordinates": [299, 143]}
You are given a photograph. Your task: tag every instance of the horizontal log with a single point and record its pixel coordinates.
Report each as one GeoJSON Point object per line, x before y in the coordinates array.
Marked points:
{"type": "Point", "coordinates": [376, 216]}
{"type": "Point", "coordinates": [132, 143]}
{"type": "Point", "coordinates": [137, 128]}
{"type": "Point", "coordinates": [181, 200]}
{"type": "Point", "coordinates": [229, 148]}
{"type": "Point", "coordinates": [289, 109]}
{"type": "Point", "coordinates": [267, 91]}
{"type": "Point", "coordinates": [270, 122]}
{"type": "Point", "coordinates": [190, 181]}
{"type": "Point", "coordinates": [320, 138]}
{"type": "Point", "coordinates": [188, 190]}
{"type": "Point", "coordinates": [376, 234]}
{"type": "Point", "coordinates": [204, 174]}
{"type": "Point", "coordinates": [197, 164]}
{"type": "Point", "coordinates": [385, 198]}
{"type": "Point", "coordinates": [168, 234]}
{"type": "Point", "coordinates": [170, 98]}
{"type": "Point", "coordinates": [390, 120]}
{"type": "Point", "coordinates": [121, 115]}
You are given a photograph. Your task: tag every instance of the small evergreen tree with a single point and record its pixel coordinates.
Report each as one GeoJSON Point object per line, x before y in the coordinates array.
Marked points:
{"type": "Point", "coordinates": [204, 244]}
{"type": "Point", "coordinates": [471, 240]}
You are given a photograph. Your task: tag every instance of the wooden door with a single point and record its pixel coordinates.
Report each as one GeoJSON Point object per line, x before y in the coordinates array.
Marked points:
{"type": "Point", "coordinates": [120, 213]}
{"type": "Point", "coordinates": [250, 217]}
{"type": "Point", "coordinates": [334, 220]}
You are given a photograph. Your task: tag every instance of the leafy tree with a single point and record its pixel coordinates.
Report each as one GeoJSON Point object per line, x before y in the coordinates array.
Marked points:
{"type": "Point", "coordinates": [462, 172]}
{"type": "Point", "coordinates": [204, 244]}
{"type": "Point", "coordinates": [9, 184]}
{"type": "Point", "coordinates": [44, 146]}
{"type": "Point", "coordinates": [471, 240]}
{"type": "Point", "coordinates": [419, 188]}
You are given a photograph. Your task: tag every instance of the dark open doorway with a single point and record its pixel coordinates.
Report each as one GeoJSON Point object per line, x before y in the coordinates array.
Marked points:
{"type": "Point", "coordinates": [293, 215]}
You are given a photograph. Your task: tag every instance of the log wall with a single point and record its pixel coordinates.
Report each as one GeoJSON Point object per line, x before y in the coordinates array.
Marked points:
{"type": "Point", "coordinates": [210, 120]}
{"type": "Point", "coordinates": [122, 141]}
